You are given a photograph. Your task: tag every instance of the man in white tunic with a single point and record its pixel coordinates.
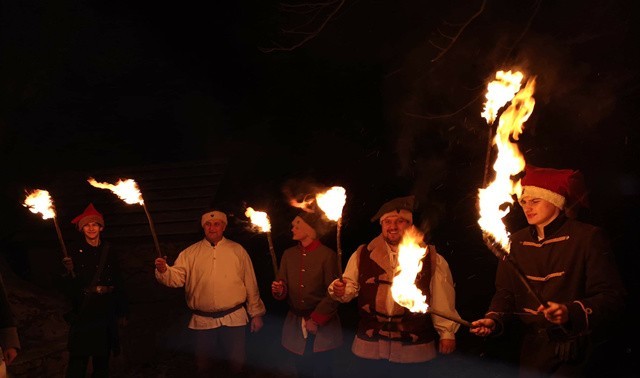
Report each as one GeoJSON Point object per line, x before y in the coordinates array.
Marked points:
{"type": "Point", "coordinates": [222, 293]}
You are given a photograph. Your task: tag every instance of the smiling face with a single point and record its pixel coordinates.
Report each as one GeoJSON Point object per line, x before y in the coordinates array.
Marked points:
{"type": "Point", "coordinates": [91, 232]}
{"type": "Point", "coordinates": [393, 228]}
{"type": "Point", "coordinates": [214, 230]}
{"type": "Point", "coordinates": [539, 212]}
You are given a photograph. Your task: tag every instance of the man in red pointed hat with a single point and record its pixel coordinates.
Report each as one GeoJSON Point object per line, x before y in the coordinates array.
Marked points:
{"type": "Point", "coordinates": [94, 285]}
{"type": "Point", "coordinates": [390, 340]}
{"type": "Point", "coordinates": [569, 264]}
{"type": "Point", "coordinates": [311, 329]}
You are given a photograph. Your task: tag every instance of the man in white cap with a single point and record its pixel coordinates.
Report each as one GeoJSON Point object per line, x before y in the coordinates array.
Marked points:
{"type": "Point", "coordinates": [569, 264]}
{"type": "Point", "coordinates": [311, 330]}
{"type": "Point", "coordinates": [222, 293]}
{"type": "Point", "coordinates": [390, 340]}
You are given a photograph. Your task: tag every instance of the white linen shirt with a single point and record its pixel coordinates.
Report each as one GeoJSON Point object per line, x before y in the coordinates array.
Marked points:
{"type": "Point", "coordinates": [216, 278]}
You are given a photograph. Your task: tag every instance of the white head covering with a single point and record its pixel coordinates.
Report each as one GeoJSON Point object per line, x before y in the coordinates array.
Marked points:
{"type": "Point", "coordinates": [213, 215]}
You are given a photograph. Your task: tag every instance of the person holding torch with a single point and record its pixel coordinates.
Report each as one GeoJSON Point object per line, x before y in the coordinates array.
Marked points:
{"type": "Point", "coordinates": [312, 328]}
{"type": "Point", "coordinates": [94, 285]}
{"type": "Point", "coordinates": [222, 293]}
{"type": "Point", "coordinates": [390, 340]}
{"type": "Point", "coordinates": [566, 262]}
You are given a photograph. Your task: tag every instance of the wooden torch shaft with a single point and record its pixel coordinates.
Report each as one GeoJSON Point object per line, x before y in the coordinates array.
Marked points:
{"type": "Point", "coordinates": [339, 247]}
{"type": "Point", "coordinates": [62, 245]}
{"type": "Point", "coordinates": [272, 252]}
{"type": "Point", "coordinates": [448, 317]}
{"type": "Point", "coordinates": [153, 230]}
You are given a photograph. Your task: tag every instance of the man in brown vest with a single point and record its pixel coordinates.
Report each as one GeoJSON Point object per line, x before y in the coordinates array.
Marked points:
{"type": "Point", "coordinates": [389, 338]}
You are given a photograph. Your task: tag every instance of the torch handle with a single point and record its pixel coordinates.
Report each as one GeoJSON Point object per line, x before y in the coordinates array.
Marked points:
{"type": "Point", "coordinates": [339, 247]}
{"type": "Point", "coordinates": [524, 280]}
{"type": "Point", "coordinates": [272, 252]}
{"type": "Point", "coordinates": [448, 317]}
{"type": "Point", "coordinates": [64, 248]}
{"type": "Point", "coordinates": [153, 230]}
{"type": "Point", "coordinates": [499, 252]}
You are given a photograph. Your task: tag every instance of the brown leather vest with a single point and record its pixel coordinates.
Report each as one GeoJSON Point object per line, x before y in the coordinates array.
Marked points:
{"type": "Point", "coordinates": [401, 324]}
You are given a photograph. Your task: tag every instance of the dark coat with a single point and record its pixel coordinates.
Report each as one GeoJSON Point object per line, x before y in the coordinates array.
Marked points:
{"type": "Point", "coordinates": [307, 273]}
{"type": "Point", "coordinates": [93, 319]}
{"type": "Point", "coordinates": [572, 265]}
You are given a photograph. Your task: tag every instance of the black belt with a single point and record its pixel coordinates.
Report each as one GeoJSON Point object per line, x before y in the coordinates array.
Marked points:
{"type": "Point", "coordinates": [99, 289]}
{"type": "Point", "coordinates": [218, 314]}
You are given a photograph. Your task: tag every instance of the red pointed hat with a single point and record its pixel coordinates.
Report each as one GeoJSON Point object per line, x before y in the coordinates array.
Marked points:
{"type": "Point", "coordinates": [89, 215]}
{"type": "Point", "coordinates": [562, 187]}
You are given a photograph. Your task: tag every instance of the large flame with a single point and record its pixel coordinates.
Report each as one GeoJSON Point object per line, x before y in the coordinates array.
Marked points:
{"type": "Point", "coordinates": [499, 92]}
{"type": "Point", "coordinates": [410, 254]}
{"type": "Point", "coordinates": [496, 199]}
{"type": "Point", "coordinates": [39, 201]}
{"type": "Point", "coordinates": [127, 190]}
{"type": "Point", "coordinates": [332, 201]}
{"type": "Point", "coordinates": [259, 219]}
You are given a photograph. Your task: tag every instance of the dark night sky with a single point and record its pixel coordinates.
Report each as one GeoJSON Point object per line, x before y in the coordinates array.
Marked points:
{"type": "Point", "coordinates": [366, 104]}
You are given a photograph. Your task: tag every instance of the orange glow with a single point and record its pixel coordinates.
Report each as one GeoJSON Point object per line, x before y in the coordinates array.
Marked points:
{"type": "Point", "coordinates": [305, 205]}
{"type": "Point", "coordinates": [259, 219]}
{"type": "Point", "coordinates": [127, 190]}
{"type": "Point", "coordinates": [410, 254]}
{"type": "Point", "coordinates": [332, 201]}
{"type": "Point", "coordinates": [39, 201]}
{"type": "Point", "coordinates": [499, 92]}
{"type": "Point", "coordinates": [509, 162]}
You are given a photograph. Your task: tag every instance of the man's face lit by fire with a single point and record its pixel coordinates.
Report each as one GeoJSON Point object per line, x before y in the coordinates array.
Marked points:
{"type": "Point", "coordinates": [539, 212]}
{"type": "Point", "coordinates": [393, 228]}
{"type": "Point", "coordinates": [91, 232]}
{"type": "Point", "coordinates": [214, 230]}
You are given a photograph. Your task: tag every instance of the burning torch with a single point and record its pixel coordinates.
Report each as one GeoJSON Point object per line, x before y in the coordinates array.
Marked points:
{"type": "Point", "coordinates": [260, 220]}
{"type": "Point", "coordinates": [39, 201]}
{"type": "Point", "coordinates": [331, 203]}
{"type": "Point", "coordinates": [128, 191]}
{"type": "Point", "coordinates": [403, 288]}
{"type": "Point", "coordinates": [496, 199]}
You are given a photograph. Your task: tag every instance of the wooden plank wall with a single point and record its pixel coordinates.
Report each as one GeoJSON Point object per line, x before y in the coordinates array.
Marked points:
{"type": "Point", "coordinates": [175, 196]}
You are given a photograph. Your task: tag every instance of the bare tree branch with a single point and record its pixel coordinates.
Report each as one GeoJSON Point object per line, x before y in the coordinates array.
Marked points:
{"type": "Point", "coordinates": [458, 34]}
{"type": "Point", "coordinates": [321, 13]}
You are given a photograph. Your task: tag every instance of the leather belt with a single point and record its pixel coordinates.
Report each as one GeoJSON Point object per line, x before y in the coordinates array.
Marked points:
{"type": "Point", "coordinates": [218, 314]}
{"type": "Point", "coordinates": [99, 289]}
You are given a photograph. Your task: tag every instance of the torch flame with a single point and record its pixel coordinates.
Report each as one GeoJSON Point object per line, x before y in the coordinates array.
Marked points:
{"type": "Point", "coordinates": [260, 219]}
{"type": "Point", "coordinates": [39, 201]}
{"type": "Point", "coordinates": [509, 162]}
{"type": "Point", "coordinates": [499, 92]}
{"type": "Point", "coordinates": [305, 205]}
{"type": "Point", "coordinates": [332, 201]}
{"type": "Point", "coordinates": [410, 254]}
{"type": "Point", "coordinates": [127, 190]}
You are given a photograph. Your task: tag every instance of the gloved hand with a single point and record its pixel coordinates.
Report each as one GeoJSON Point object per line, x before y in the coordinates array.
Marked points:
{"type": "Point", "coordinates": [68, 264]}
